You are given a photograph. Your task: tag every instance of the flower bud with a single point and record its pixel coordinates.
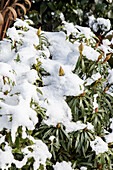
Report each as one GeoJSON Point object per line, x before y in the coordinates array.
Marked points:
{"type": "Point", "coordinates": [96, 110]}
{"type": "Point", "coordinates": [39, 31]}
{"type": "Point", "coordinates": [81, 47]}
{"type": "Point", "coordinates": [61, 71]}
{"type": "Point", "coordinates": [58, 125]}
{"type": "Point", "coordinates": [83, 94]}
{"type": "Point", "coordinates": [106, 89]}
{"type": "Point", "coordinates": [100, 56]}
{"type": "Point", "coordinates": [107, 58]}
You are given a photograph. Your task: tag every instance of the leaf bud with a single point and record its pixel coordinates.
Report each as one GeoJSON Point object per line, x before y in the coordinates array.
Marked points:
{"type": "Point", "coordinates": [81, 47]}
{"type": "Point", "coordinates": [39, 31]}
{"type": "Point", "coordinates": [58, 125]}
{"type": "Point", "coordinates": [96, 110]}
{"type": "Point", "coordinates": [106, 89]}
{"type": "Point", "coordinates": [61, 71]}
{"type": "Point", "coordinates": [100, 56]}
{"type": "Point", "coordinates": [107, 58]}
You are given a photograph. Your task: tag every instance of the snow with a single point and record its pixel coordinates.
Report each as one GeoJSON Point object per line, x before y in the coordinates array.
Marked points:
{"type": "Point", "coordinates": [2, 139]}
{"type": "Point", "coordinates": [90, 53]}
{"type": "Point", "coordinates": [7, 77]}
{"type": "Point", "coordinates": [99, 146]}
{"type": "Point", "coordinates": [109, 137]}
{"type": "Point", "coordinates": [40, 154]}
{"type": "Point", "coordinates": [93, 78]}
{"type": "Point", "coordinates": [6, 163]}
{"type": "Point", "coordinates": [17, 78]}
{"type": "Point", "coordinates": [95, 24]}
{"type": "Point", "coordinates": [21, 114]}
{"type": "Point", "coordinates": [69, 27]}
{"type": "Point", "coordinates": [74, 126]}
{"type": "Point", "coordinates": [62, 165]}
{"type": "Point", "coordinates": [51, 138]}
{"type": "Point", "coordinates": [105, 23]}
{"type": "Point", "coordinates": [83, 168]}
{"type": "Point", "coordinates": [4, 54]}
{"type": "Point", "coordinates": [62, 17]}
{"type": "Point", "coordinates": [86, 31]}
{"type": "Point", "coordinates": [13, 34]}
{"type": "Point", "coordinates": [110, 76]}
{"type": "Point", "coordinates": [20, 23]}
{"type": "Point", "coordinates": [95, 104]}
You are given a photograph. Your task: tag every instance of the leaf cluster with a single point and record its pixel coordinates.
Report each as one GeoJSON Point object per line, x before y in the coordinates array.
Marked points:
{"type": "Point", "coordinates": [46, 13]}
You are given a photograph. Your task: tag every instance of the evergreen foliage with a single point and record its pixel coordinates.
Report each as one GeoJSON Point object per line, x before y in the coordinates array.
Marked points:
{"type": "Point", "coordinates": [46, 13]}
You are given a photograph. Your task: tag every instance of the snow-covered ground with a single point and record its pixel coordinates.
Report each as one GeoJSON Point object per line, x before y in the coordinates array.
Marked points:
{"type": "Point", "coordinates": [17, 88]}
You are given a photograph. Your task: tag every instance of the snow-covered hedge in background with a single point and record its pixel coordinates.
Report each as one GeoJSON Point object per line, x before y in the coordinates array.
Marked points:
{"type": "Point", "coordinates": [52, 108]}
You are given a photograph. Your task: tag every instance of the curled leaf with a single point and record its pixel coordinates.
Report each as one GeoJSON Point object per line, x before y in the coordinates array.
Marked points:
{"type": "Point", "coordinates": [28, 3]}
{"type": "Point", "coordinates": [12, 14]}
{"type": "Point", "coordinates": [1, 19]}
{"type": "Point", "coordinates": [21, 7]}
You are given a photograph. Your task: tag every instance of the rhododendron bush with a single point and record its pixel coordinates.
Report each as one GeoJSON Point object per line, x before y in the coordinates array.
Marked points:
{"type": "Point", "coordinates": [56, 98]}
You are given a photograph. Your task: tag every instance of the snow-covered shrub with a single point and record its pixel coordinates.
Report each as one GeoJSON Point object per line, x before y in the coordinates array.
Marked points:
{"type": "Point", "coordinates": [99, 23]}
{"type": "Point", "coordinates": [20, 109]}
{"type": "Point", "coordinates": [57, 109]}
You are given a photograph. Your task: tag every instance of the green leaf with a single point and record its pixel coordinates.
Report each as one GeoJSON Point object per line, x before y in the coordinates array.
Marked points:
{"type": "Point", "coordinates": [99, 68]}
{"type": "Point", "coordinates": [17, 142]}
{"type": "Point", "coordinates": [18, 58]}
{"type": "Point", "coordinates": [86, 163]}
{"type": "Point", "coordinates": [96, 38]}
{"type": "Point", "coordinates": [38, 90]}
{"type": "Point", "coordinates": [98, 156]}
{"type": "Point", "coordinates": [90, 135]}
{"type": "Point", "coordinates": [16, 150]}
{"type": "Point", "coordinates": [83, 150]}
{"type": "Point", "coordinates": [69, 144]}
{"type": "Point", "coordinates": [43, 7]}
{"type": "Point", "coordinates": [81, 105]}
{"type": "Point", "coordinates": [102, 159]}
{"type": "Point", "coordinates": [64, 132]}
{"type": "Point", "coordinates": [87, 104]}
{"type": "Point", "coordinates": [83, 65]}
{"type": "Point", "coordinates": [108, 159]}
{"type": "Point", "coordinates": [82, 139]}
{"type": "Point", "coordinates": [62, 135]}
{"type": "Point", "coordinates": [73, 105]}
{"type": "Point", "coordinates": [48, 133]}
{"type": "Point", "coordinates": [87, 145]}
{"type": "Point", "coordinates": [77, 140]}
{"type": "Point", "coordinates": [92, 67]}
{"type": "Point", "coordinates": [53, 152]}
{"type": "Point", "coordinates": [51, 6]}
{"type": "Point", "coordinates": [63, 144]}
{"type": "Point", "coordinates": [78, 63]}
{"type": "Point", "coordinates": [109, 105]}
